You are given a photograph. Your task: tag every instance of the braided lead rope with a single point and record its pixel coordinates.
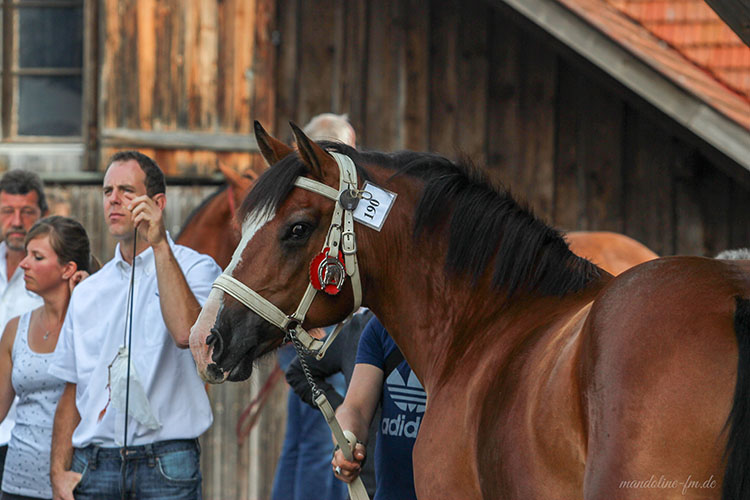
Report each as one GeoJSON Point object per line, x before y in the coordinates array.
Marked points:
{"type": "Point", "coordinates": [346, 440]}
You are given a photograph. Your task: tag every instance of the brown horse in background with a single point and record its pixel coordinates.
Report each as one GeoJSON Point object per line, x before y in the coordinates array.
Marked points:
{"type": "Point", "coordinates": [546, 378]}
{"type": "Point", "coordinates": [613, 252]}
{"type": "Point", "coordinates": [212, 227]}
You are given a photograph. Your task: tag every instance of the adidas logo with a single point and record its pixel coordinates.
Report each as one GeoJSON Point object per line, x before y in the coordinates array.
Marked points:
{"type": "Point", "coordinates": [409, 395]}
{"type": "Point", "coordinates": [400, 426]}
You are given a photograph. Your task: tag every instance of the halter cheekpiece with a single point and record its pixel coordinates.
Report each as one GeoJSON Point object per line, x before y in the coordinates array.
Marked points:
{"type": "Point", "coordinates": [328, 269]}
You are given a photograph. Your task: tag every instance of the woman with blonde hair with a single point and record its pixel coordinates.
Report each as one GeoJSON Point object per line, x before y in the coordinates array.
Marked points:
{"type": "Point", "coordinates": [57, 258]}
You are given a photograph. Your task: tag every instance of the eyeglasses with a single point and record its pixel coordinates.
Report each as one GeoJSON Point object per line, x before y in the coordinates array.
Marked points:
{"type": "Point", "coordinates": [26, 212]}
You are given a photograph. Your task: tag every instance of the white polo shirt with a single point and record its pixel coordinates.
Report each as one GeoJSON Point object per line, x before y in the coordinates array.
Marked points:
{"type": "Point", "coordinates": [14, 301]}
{"type": "Point", "coordinates": [93, 330]}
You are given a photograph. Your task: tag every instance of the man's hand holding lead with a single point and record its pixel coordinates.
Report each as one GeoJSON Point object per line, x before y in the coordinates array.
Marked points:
{"type": "Point", "coordinates": [148, 218]}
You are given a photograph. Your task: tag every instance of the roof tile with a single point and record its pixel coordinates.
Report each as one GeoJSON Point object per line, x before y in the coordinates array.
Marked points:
{"type": "Point", "coordinates": [697, 32]}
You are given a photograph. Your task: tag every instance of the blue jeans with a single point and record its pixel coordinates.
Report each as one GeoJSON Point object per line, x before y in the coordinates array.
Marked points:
{"type": "Point", "coordinates": [165, 470]}
{"type": "Point", "coordinates": [304, 470]}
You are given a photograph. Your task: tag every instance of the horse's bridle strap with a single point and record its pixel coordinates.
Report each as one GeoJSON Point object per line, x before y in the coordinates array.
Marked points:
{"type": "Point", "coordinates": [251, 299]}
{"type": "Point", "coordinates": [317, 187]}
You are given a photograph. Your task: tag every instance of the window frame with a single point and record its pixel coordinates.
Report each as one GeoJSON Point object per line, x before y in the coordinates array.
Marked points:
{"type": "Point", "coordinates": [12, 72]}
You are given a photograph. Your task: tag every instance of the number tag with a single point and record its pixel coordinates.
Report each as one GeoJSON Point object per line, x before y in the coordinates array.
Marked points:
{"type": "Point", "coordinates": [374, 206]}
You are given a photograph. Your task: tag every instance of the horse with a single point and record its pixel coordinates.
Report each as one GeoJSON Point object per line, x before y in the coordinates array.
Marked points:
{"type": "Point", "coordinates": [212, 227]}
{"type": "Point", "coordinates": [546, 376]}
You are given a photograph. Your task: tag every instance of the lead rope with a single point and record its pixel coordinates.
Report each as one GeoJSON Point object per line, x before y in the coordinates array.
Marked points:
{"type": "Point", "coordinates": [129, 339]}
{"type": "Point", "coordinates": [346, 440]}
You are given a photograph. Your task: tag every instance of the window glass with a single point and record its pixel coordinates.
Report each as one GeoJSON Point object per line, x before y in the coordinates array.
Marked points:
{"type": "Point", "coordinates": [49, 105]}
{"type": "Point", "coordinates": [50, 37]}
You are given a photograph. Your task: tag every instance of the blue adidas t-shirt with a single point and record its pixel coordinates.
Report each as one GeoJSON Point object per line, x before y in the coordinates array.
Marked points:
{"type": "Point", "coordinates": [403, 403]}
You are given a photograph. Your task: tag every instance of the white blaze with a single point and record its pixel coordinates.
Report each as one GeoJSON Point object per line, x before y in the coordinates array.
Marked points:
{"type": "Point", "coordinates": [252, 224]}
{"type": "Point", "coordinates": [207, 317]}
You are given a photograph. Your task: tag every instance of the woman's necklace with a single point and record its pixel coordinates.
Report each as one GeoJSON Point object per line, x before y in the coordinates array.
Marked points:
{"type": "Point", "coordinates": [45, 323]}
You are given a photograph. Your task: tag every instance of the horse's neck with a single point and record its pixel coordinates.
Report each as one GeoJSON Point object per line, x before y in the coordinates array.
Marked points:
{"type": "Point", "coordinates": [438, 325]}
{"type": "Point", "coordinates": [438, 320]}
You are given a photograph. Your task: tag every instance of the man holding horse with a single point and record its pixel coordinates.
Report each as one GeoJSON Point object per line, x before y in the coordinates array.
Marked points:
{"type": "Point", "coordinates": [144, 301]}
{"type": "Point", "coordinates": [22, 203]}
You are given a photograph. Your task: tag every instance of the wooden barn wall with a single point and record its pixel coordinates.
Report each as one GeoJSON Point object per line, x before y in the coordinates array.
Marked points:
{"type": "Point", "coordinates": [470, 81]}
{"type": "Point", "coordinates": [183, 80]}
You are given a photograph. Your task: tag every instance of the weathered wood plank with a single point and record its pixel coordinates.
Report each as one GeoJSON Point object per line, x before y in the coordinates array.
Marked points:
{"type": "Point", "coordinates": [601, 139]}
{"type": "Point", "coordinates": [211, 141]}
{"type": "Point", "coordinates": [286, 69]}
{"type": "Point", "coordinates": [649, 191]}
{"type": "Point", "coordinates": [168, 63]}
{"type": "Point", "coordinates": [539, 74]}
{"type": "Point", "coordinates": [349, 91]}
{"type": "Point", "coordinates": [504, 106]}
{"type": "Point", "coordinates": [715, 198]}
{"type": "Point", "coordinates": [91, 70]}
{"type": "Point", "coordinates": [317, 48]}
{"type": "Point", "coordinates": [443, 77]}
{"type": "Point", "coordinates": [146, 49]}
{"type": "Point", "coordinates": [262, 64]}
{"type": "Point", "coordinates": [739, 222]}
{"type": "Point", "coordinates": [570, 189]}
{"type": "Point", "coordinates": [385, 79]}
{"type": "Point", "coordinates": [191, 163]}
{"type": "Point", "coordinates": [417, 67]}
{"type": "Point", "coordinates": [472, 81]}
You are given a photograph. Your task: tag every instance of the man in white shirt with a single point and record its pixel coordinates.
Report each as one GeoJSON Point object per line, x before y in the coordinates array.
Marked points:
{"type": "Point", "coordinates": [168, 406]}
{"type": "Point", "coordinates": [22, 203]}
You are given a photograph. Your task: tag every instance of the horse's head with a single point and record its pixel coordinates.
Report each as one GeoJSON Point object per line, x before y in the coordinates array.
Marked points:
{"type": "Point", "coordinates": [285, 228]}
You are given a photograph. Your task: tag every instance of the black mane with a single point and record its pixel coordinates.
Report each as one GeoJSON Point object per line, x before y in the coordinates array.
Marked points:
{"type": "Point", "coordinates": [485, 225]}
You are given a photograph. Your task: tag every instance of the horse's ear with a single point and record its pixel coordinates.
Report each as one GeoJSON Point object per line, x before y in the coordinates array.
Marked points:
{"type": "Point", "coordinates": [240, 183]}
{"type": "Point", "coordinates": [318, 160]}
{"type": "Point", "coordinates": [272, 149]}
{"type": "Point", "coordinates": [231, 175]}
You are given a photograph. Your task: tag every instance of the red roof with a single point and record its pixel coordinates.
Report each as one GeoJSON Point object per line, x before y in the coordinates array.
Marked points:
{"type": "Point", "coordinates": [683, 39]}
{"type": "Point", "coordinates": [695, 30]}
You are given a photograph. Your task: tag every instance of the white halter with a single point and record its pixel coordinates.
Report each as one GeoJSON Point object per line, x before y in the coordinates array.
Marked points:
{"type": "Point", "coordinates": [340, 237]}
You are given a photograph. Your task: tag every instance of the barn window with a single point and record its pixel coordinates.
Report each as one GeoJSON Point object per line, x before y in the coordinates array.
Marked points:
{"type": "Point", "coordinates": [42, 68]}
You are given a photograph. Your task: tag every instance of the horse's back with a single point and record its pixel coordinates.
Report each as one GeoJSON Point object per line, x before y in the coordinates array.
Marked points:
{"type": "Point", "coordinates": [658, 373]}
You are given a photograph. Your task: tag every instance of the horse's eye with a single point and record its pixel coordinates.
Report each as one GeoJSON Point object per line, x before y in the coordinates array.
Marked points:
{"type": "Point", "coordinates": [299, 231]}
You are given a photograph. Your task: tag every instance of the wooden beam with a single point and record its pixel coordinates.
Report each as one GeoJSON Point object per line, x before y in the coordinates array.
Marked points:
{"type": "Point", "coordinates": [206, 141]}
{"type": "Point", "coordinates": [736, 13]}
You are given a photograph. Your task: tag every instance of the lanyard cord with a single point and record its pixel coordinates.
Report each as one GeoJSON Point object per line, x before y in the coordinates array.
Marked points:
{"type": "Point", "coordinates": [127, 380]}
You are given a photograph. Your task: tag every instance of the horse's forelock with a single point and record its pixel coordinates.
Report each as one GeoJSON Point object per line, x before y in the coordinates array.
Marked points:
{"type": "Point", "coordinates": [272, 187]}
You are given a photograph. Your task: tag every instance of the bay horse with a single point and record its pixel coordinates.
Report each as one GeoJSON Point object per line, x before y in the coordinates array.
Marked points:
{"type": "Point", "coordinates": [547, 377]}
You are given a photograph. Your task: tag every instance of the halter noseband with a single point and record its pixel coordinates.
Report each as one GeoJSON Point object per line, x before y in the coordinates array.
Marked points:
{"type": "Point", "coordinates": [340, 240]}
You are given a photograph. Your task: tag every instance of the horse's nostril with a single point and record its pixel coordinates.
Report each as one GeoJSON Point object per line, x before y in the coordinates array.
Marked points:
{"type": "Point", "coordinates": [214, 340]}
